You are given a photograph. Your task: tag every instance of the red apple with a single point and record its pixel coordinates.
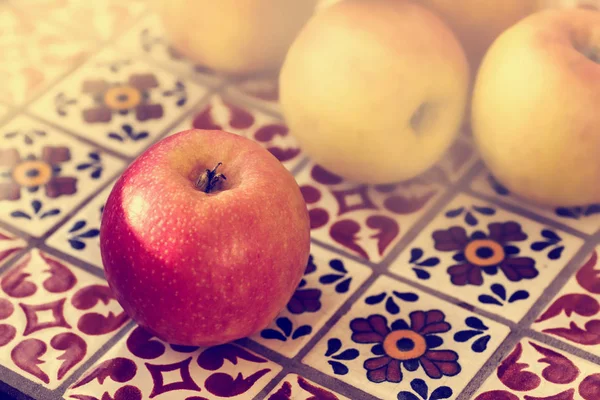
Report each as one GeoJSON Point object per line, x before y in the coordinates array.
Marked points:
{"type": "Point", "coordinates": [200, 256]}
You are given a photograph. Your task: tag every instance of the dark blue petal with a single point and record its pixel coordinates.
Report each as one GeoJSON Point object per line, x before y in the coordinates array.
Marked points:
{"type": "Point", "coordinates": [486, 299]}
{"type": "Point", "coordinates": [556, 253]}
{"type": "Point", "coordinates": [19, 214]}
{"type": "Point", "coordinates": [302, 283]}
{"type": "Point", "coordinates": [478, 235]}
{"type": "Point", "coordinates": [142, 135]}
{"type": "Point", "coordinates": [493, 270]}
{"type": "Point", "coordinates": [90, 233]}
{"type": "Point", "coordinates": [375, 299]}
{"type": "Point", "coordinates": [433, 341]}
{"type": "Point", "coordinates": [415, 254]}
{"type": "Point", "coordinates": [97, 173]}
{"type": "Point", "coordinates": [499, 290]}
{"type": "Point", "coordinates": [460, 257]}
{"type": "Point", "coordinates": [497, 186]}
{"type": "Point", "coordinates": [115, 136]}
{"type": "Point", "coordinates": [343, 286]}
{"type": "Point", "coordinates": [548, 234]}
{"type": "Point", "coordinates": [330, 278]}
{"type": "Point", "coordinates": [480, 345]}
{"type": "Point", "coordinates": [443, 392]}
{"type": "Point", "coordinates": [391, 306]}
{"type": "Point", "coordinates": [349, 354]}
{"type": "Point", "coordinates": [465, 336]}
{"type": "Point", "coordinates": [419, 386]}
{"type": "Point", "coordinates": [302, 331]}
{"type": "Point", "coordinates": [422, 274]}
{"type": "Point", "coordinates": [567, 212]}
{"type": "Point", "coordinates": [411, 365]}
{"type": "Point", "coordinates": [36, 205]}
{"type": "Point", "coordinates": [127, 129]}
{"type": "Point", "coordinates": [94, 156]}
{"type": "Point", "coordinates": [77, 226]}
{"type": "Point", "coordinates": [272, 334]}
{"type": "Point", "coordinates": [50, 213]}
{"type": "Point", "coordinates": [476, 323]}
{"type": "Point", "coordinates": [518, 295]}
{"type": "Point", "coordinates": [454, 213]}
{"type": "Point", "coordinates": [83, 166]}
{"type": "Point", "coordinates": [333, 345]}
{"type": "Point", "coordinates": [399, 324]}
{"type": "Point", "coordinates": [181, 101]}
{"type": "Point", "coordinates": [338, 367]}
{"type": "Point", "coordinates": [76, 244]}
{"type": "Point", "coordinates": [407, 396]}
{"type": "Point", "coordinates": [591, 210]}
{"type": "Point", "coordinates": [378, 350]}
{"type": "Point", "coordinates": [470, 219]}
{"type": "Point", "coordinates": [337, 265]}
{"type": "Point", "coordinates": [430, 262]}
{"type": "Point", "coordinates": [511, 250]}
{"type": "Point", "coordinates": [539, 246]}
{"type": "Point", "coordinates": [285, 325]}
{"type": "Point", "coordinates": [409, 296]}
{"type": "Point", "coordinates": [484, 210]}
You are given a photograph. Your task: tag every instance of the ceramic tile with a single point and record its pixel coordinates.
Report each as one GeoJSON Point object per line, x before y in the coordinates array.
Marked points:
{"type": "Point", "coordinates": [140, 366]}
{"type": "Point", "coordinates": [54, 317]}
{"type": "Point", "coordinates": [147, 38]}
{"type": "Point", "coordinates": [296, 387]}
{"type": "Point", "coordinates": [45, 173]}
{"type": "Point", "coordinates": [573, 315]}
{"type": "Point", "coordinates": [118, 102]}
{"type": "Point", "coordinates": [363, 220]}
{"type": "Point", "coordinates": [487, 257]}
{"type": "Point", "coordinates": [270, 132]}
{"type": "Point", "coordinates": [584, 218]}
{"type": "Point", "coordinates": [458, 159]}
{"type": "Point", "coordinates": [396, 341]}
{"type": "Point", "coordinates": [33, 54]}
{"type": "Point", "coordinates": [538, 372]}
{"type": "Point", "coordinates": [9, 245]}
{"type": "Point", "coordinates": [80, 235]}
{"type": "Point", "coordinates": [328, 282]}
{"type": "Point", "coordinates": [261, 91]}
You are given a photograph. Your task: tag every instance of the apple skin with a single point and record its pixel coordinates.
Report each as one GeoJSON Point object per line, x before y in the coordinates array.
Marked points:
{"type": "Point", "coordinates": [202, 269]}
{"type": "Point", "coordinates": [535, 115]}
{"type": "Point", "coordinates": [356, 78]}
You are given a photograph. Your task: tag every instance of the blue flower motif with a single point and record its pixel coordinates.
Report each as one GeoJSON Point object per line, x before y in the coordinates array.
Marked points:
{"type": "Point", "coordinates": [343, 281]}
{"type": "Point", "coordinates": [470, 213]}
{"type": "Point", "coordinates": [38, 212]}
{"type": "Point", "coordinates": [419, 386]}
{"type": "Point", "coordinates": [94, 165]}
{"type": "Point", "coordinates": [334, 345]}
{"type": "Point", "coordinates": [286, 330]}
{"type": "Point", "coordinates": [390, 303]}
{"type": "Point", "coordinates": [478, 328]}
{"type": "Point", "coordinates": [78, 235]}
{"type": "Point", "coordinates": [578, 212]}
{"type": "Point", "coordinates": [416, 255]}
{"type": "Point", "coordinates": [551, 241]}
{"type": "Point", "coordinates": [500, 292]}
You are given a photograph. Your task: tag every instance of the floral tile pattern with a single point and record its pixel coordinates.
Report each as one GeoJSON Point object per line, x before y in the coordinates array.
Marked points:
{"type": "Point", "coordinates": [263, 91]}
{"type": "Point", "coordinates": [363, 220]}
{"type": "Point", "coordinates": [80, 236]}
{"type": "Point", "coordinates": [53, 317]}
{"type": "Point", "coordinates": [147, 38]}
{"type": "Point", "coordinates": [33, 54]}
{"type": "Point", "coordinates": [143, 367]}
{"type": "Point", "coordinates": [295, 387]}
{"type": "Point", "coordinates": [585, 218]}
{"type": "Point", "coordinates": [397, 343]}
{"type": "Point", "coordinates": [268, 131]}
{"type": "Point", "coordinates": [118, 102]}
{"type": "Point", "coordinates": [535, 371]}
{"type": "Point", "coordinates": [574, 314]}
{"type": "Point", "coordinates": [45, 173]}
{"type": "Point", "coordinates": [328, 282]}
{"type": "Point", "coordinates": [487, 257]}
{"type": "Point", "coordinates": [9, 245]}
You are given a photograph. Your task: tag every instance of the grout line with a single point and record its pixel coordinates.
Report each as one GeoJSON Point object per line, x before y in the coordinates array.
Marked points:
{"type": "Point", "coordinates": [273, 383]}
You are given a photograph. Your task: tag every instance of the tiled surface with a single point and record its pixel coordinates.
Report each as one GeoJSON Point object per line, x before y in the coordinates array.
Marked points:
{"type": "Point", "coordinates": [410, 292]}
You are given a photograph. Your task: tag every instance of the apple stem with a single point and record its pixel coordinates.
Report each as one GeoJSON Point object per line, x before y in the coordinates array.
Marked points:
{"type": "Point", "coordinates": [208, 180]}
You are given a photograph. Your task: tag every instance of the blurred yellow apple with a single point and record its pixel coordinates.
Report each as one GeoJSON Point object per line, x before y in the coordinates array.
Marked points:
{"type": "Point", "coordinates": [234, 36]}
{"type": "Point", "coordinates": [536, 108]}
{"type": "Point", "coordinates": [375, 90]}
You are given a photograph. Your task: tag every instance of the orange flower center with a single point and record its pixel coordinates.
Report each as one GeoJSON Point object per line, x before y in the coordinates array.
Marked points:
{"type": "Point", "coordinates": [404, 345]}
{"type": "Point", "coordinates": [122, 97]}
{"type": "Point", "coordinates": [484, 253]}
{"type": "Point", "coordinates": [32, 173]}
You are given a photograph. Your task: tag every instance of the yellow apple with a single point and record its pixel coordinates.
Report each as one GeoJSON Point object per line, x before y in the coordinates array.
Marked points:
{"type": "Point", "coordinates": [536, 107]}
{"type": "Point", "coordinates": [375, 90]}
{"type": "Point", "coordinates": [234, 36]}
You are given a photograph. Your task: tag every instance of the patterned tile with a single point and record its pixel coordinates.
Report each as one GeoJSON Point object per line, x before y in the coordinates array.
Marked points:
{"type": "Point", "coordinates": [396, 341]}
{"type": "Point", "coordinates": [295, 387]}
{"type": "Point", "coordinates": [487, 257]}
{"type": "Point", "coordinates": [119, 102]}
{"type": "Point", "coordinates": [32, 54]}
{"type": "Point", "coordinates": [585, 218]}
{"type": "Point", "coordinates": [328, 282]}
{"type": "Point", "coordinates": [45, 173]}
{"type": "Point", "coordinates": [9, 245]}
{"type": "Point", "coordinates": [80, 235]}
{"type": "Point", "coordinates": [54, 317]}
{"type": "Point", "coordinates": [147, 38]}
{"type": "Point", "coordinates": [364, 220]}
{"type": "Point", "coordinates": [268, 131]}
{"type": "Point", "coordinates": [574, 314]}
{"type": "Point", "coordinates": [538, 372]}
{"type": "Point", "coordinates": [263, 91]}
{"type": "Point", "coordinates": [140, 366]}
